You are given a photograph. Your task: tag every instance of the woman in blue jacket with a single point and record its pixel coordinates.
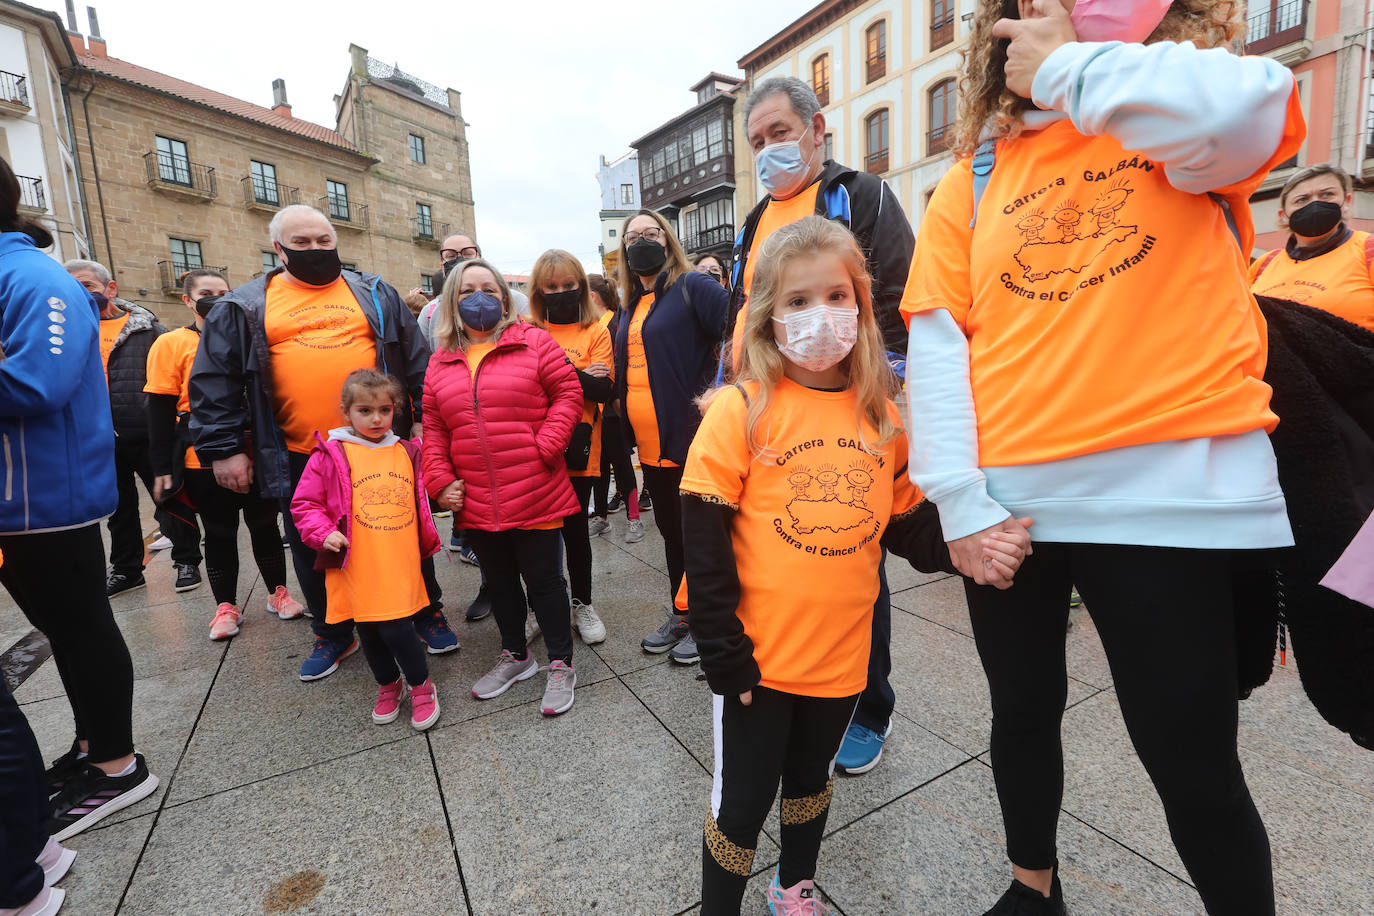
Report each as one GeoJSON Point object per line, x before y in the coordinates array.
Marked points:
{"type": "Point", "coordinates": [665, 356]}
{"type": "Point", "coordinates": [57, 448]}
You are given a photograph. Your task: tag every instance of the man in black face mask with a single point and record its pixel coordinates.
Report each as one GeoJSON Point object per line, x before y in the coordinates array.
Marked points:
{"type": "Point", "coordinates": [289, 340]}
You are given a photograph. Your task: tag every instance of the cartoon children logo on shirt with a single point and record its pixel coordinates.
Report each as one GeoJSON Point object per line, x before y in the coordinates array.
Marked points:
{"type": "Point", "coordinates": [1047, 231]}
{"type": "Point", "coordinates": [382, 504]}
{"type": "Point", "coordinates": [321, 327]}
{"type": "Point", "coordinates": [825, 499]}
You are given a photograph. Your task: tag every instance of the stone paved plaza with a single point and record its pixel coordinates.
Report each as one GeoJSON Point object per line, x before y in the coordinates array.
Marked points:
{"type": "Point", "coordinates": [278, 796]}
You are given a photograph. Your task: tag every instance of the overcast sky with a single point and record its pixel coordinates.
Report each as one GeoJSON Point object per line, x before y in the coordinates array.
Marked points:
{"type": "Point", "coordinates": [548, 85]}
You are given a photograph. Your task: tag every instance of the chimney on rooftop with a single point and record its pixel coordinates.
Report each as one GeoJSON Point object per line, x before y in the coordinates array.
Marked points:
{"type": "Point", "coordinates": [71, 17]}
{"type": "Point", "coordinates": [94, 42]}
{"type": "Point", "coordinates": [279, 104]}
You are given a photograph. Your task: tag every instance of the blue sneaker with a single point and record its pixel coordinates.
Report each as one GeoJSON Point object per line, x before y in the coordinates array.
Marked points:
{"type": "Point", "coordinates": [861, 749]}
{"type": "Point", "coordinates": [455, 541]}
{"type": "Point", "coordinates": [325, 658]}
{"type": "Point", "coordinates": [468, 555]}
{"type": "Point", "coordinates": [435, 632]}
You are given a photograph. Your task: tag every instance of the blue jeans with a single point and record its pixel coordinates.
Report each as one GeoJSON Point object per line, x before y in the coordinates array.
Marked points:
{"type": "Point", "coordinates": [23, 806]}
{"type": "Point", "coordinates": [877, 701]}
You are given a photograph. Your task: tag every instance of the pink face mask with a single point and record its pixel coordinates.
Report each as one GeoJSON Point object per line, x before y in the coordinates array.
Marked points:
{"type": "Point", "coordinates": [1117, 20]}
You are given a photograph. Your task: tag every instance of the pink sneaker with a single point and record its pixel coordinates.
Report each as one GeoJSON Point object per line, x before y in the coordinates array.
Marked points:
{"type": "Point", "coordinates": [55, 860]}
{"type": "Point", "coordinates": [283, 605]}
{"type": "Point", "coordinates": [389, 697]}
{"type": "Point", "coordinates": [226, 622]}
{"type": "Point", "coordinates": [47, 903]}
{"type": "Point", "coordinates": [798, 900]}
{"type": "Point", "coordinates": [424, 705]}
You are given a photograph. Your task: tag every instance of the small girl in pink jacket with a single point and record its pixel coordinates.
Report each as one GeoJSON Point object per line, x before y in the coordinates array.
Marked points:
{"type": "Point", "coordinates": [360, 503]}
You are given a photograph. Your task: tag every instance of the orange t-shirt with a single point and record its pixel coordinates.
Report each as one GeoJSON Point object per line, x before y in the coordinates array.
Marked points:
{"type": "Point", "coordinates": [1338, 282]}
{"type": "Point", "coordinates": [109, 333]}
{"type": "Point", "coordinates": [316, 337]}
{"type": "Point", "coordinates": [1104, 308]}
{"type": "Point", "coordinates": [381, 578]}
{"type": "Point", "coordinates": [169, 372]}
{"type": "Point", "coordinates": [811, 511]}
{"type": "Point", "coordinates": [584, 346]}
{"type": "Point", "coordinates": [639, 399]}
{"type": "Point", "coordinates": [776, 214]}
{"type": "Point", "coordinates": [605, 319]}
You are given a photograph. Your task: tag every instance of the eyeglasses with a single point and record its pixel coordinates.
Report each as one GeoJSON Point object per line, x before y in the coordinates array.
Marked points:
{"type": "Point", "coordinates": [713, 271]}
{"type": "Point", "coordinates": [653, 235]}
{"type": "Point", "coordinates": [450, 254]}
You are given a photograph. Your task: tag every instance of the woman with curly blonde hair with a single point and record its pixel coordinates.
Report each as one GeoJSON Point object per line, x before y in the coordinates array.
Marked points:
{"type": "Point", "coordinates": [1084, 350]}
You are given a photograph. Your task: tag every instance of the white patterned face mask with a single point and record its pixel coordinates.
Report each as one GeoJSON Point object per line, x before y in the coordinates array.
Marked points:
{"type": "Point", "coordinates": [820, 336]}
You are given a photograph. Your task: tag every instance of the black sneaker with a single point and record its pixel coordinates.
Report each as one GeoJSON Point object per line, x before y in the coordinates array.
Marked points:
{"type": "Point", "coordinates": [188, 577]}
{"type": "Point", "coordinates": [117, 583]}
{"type": "Point", "coordinates": [64, 768]}
{"type": "Point", "coordinates": [616, 503]}
{"type": "Point", "coordinates": [1020, 900]}
{"type": "Point", "coordinates": [480, 607]}
{"type": "Point", "coordinates": [645, 503]}
{"type": "Point", "coordinates": [91, 796]}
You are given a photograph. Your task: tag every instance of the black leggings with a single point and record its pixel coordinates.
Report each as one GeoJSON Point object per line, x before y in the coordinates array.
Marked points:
{"type": "Point", "coordinates": [23, 806]}
{"type": "Point", "coordinates": [615, 455]}
{"type": "Point", "coordinates": [1167, 623]}
{"type": "Point", "coordinates": [508, 556]}
{"type": "Point", "coordinates": [219, 510]}
{"type": "Point", "coordinates": [388, 642]}
{"type": "Point", "coordinates": [779, 737]}
{"type": "Point", "coordinates": [58, 581]}
{"type": "Point", "coordinates": [578, 543]}
{"type": "Point", "coordinates": [663, 484]}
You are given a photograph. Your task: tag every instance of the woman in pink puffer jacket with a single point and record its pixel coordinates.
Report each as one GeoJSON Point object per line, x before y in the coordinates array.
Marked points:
{"type": "Point", "coordinates": [500, 404]}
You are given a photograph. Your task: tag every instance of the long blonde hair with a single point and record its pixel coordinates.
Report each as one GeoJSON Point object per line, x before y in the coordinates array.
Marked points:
{"type": "Point", "coordinates": [988, 109]}
{"type": "Point", "coordinates": [550, 263]}
{"type": "Point", "coordinates": [676, 265]}
{"type": "Point", "coordinates": [448, 326]}
{"type": "Point", "coordinates": [761, 363]}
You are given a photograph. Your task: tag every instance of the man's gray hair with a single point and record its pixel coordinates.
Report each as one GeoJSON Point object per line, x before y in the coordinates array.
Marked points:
{"type": "Point", "coordinates": [101, 272]}
{"type": "Point", "coordinates": [274, 227]}
{"type": "Point", "coordinates": [801, 96]}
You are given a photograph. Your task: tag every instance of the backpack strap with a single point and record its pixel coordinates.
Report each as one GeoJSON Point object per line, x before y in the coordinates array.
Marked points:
{"type": "Point", "coordinates": [1230, 217]}
{"type": "Point", "coordinates": [984, 159]}
{"type": "Point", "coordinates": [742, 393]}
{"type": "Point", "coordinates": [1265, 261]}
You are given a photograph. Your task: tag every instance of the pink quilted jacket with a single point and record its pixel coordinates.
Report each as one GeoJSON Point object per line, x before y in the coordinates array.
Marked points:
{"type": "Point", "coordinates": [503, 436]}
{"type": "Point", "coordinates": [323, 502]}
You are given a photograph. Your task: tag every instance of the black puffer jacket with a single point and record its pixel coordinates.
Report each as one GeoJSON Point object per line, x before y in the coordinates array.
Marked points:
{"type": "Point", "coordinates": [127, 372]}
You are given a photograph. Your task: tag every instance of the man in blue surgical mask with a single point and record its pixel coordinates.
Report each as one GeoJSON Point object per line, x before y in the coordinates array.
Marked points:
{"type": "Point", "coordinates": [786, 130]}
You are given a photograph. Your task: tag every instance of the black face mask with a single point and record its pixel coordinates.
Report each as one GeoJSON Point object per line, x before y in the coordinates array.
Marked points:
{"type": "Point", "coordinates": [1315, 219]}
{"type": "Point", "coordinates": [315, 266]}
{"type": "Point", "coordinates": [451, 266]}
{"type": "Point", "coordinates": [204, 304]}
{"type": "Point", "coordinates": [645, 257]}
{"type": "Point", "coordinates": [564, 307]}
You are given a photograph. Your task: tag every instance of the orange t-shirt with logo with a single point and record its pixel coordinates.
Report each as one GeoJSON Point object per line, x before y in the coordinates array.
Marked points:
{"type": "Point", "coordinates": [776, 214]}
{"type": "Point", "coordinates": [1338, 282]}
{"type": "Point", "coordinates": [639, 398]}
{"type": "Point", "coordinates": [584, 346]}
{"type": "Point", "coordinates": [1104, 308]}
{"type": "Point", "coordinates": [109, 333]}
{"type": "Point", "coordinates": [169, 372]}
{"type": "Point", "coordinates": [381, 577]}
{"type": "Point", "coordinates": [810, 513]}
{"type": "Point", "coordinates": [316, 336]}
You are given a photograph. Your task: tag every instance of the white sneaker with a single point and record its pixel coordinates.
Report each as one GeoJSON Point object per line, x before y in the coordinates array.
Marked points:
{"type": "Point", "coordinates": [162, 543]}
{"type": "Point", "coordinates": [634, 531]}
{"type": "Point", "coordinates": [597, 527]}
{"type": "Point", "coordinates": [589, 626]}
{"type": "Point", "coordinates": [532, 630]}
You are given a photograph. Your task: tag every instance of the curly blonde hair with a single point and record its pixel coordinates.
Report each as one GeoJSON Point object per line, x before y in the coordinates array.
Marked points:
{"type": "Point", "coordinates": [987, 108]}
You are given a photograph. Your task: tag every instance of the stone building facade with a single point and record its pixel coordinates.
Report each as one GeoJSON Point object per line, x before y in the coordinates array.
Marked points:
{"type": "Point", "coordinates": [178, 176]}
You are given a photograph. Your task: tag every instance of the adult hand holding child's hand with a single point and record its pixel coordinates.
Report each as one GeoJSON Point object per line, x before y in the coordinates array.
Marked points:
{"type": "Point", "coordinates": [1043, 27]}
{"type": "Point", "coordinates": [992, 556]}
{"type": "Point", "coordinates": [452, 496]}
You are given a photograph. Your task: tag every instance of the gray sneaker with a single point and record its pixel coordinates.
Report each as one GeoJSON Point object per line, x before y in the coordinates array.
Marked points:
{"type": "Point", "coordinates": [672, 632]}
{"type": "Point", "coordinates": [634, 531]}
{"type": "Point", "coordinates": [508, 670]}
{"type": "Point", "coordinates": [685, 652]}
{"type": "Point", "coordinates": [558, 690]}
{"type": "Point", "coordinates": [597, 527]}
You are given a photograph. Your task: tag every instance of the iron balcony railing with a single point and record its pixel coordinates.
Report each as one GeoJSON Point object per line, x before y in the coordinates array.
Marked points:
{"type": "Point", "coordinates": [14, 88]}
{"type": "Point", "coordinates": [168, 169]}
{"type": "Point", "coordinates": [937, 139]}
{"type": "Point", "coordinates": [714, 237]}
{"type": "Point", "coordinates": [1275, 23]}
{"type": "Point", "coordinates": [341, 209]}
{"type": "Point", "coordinates": [268, 193]}
{"type": "Point", "coordinates": [171, 272]}
{"type": "Point", "coordinates": [428, 229]}
{"type": "Point", "coordinates": [31, 193]}
{"type": "Point", "coordinates": [876, 162]}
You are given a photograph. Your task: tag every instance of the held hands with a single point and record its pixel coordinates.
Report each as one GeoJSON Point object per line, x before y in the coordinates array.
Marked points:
{"type": "Point", "coordinates": [234, 473]}
{"type": "Point", "coordinates": [1044, 26]}
{"type": "Point", "coordinates": [992, 556]}
{"type": "Point", "coordinates": [598, 370]}
{"type": "Point", "coordinates": [161, 484]}
{"type": "Point", "coordinates": [335, 542]}
{"type": "Point", "coordinates": [452, 496]}
{"type": "Point", "coordinates": [747, 698]}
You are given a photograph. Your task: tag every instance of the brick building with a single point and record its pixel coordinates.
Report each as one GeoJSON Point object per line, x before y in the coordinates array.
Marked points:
{"type": "Point", "coordinates": [178, 176]}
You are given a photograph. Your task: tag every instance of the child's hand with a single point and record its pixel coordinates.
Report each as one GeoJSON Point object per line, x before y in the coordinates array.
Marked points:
{"type": "Point", "coordinates": [335, 542]}
{"type": "Point", "coordinates": [452, 496]}
{"type": "Point", "coordinates": [1005, 550]}
{"type": "Point", "coordinates": [747, 698]}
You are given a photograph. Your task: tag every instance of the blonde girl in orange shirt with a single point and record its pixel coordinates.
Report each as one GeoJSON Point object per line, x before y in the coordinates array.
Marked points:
{"type": "Point", "coordinates": [794, 484]}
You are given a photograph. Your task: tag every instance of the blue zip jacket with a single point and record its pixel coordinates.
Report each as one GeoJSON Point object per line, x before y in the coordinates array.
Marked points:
{"type": "Point", "coordinates": [680, 346]}
{"type": "Point", "coordinates": [56, 438]}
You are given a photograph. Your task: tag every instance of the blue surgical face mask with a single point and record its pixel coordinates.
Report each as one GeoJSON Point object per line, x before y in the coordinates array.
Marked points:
{"type": "Point", "coordinates": [480, 311]}
{"type": "Point", "coordinates": [782, 168]}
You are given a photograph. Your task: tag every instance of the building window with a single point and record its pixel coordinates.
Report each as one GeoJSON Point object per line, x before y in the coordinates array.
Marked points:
{"type": "Point", "coordinates": [876, 129]}
{"type": "Point", "coordinates": [940, 104]}
{"type": "Point", "coordinates": [941, 23]}
{"type": "Point", "coordinates": [185, 256]}
{"type": "Point", "coordinates": [627, 194]}
{"type": "Point", "coordinates": [270, 261]}
{"type": "Point", "coordinates": [424, 221]}
{"type": "Point", "coordinates": [337, 193]}
{"type": "Point", "coordinates": [427, 284]}
{"type": "Point", "coordinates": [820, 79]}
{"type": "Point", "coordinates": [417, 149]}
{"type": "Point", "coordinates": [172, 162]}
{"type": "Point", "coordinates": [610, 233]}
{"type": "Point", "coordinates": [829, 148]}
{"type": "Point", "coordinates": [265, 183]}
{"type": "Point", "coordinates": [877, 50]}
{"type": "Point", "coordinates": [710, 225]}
